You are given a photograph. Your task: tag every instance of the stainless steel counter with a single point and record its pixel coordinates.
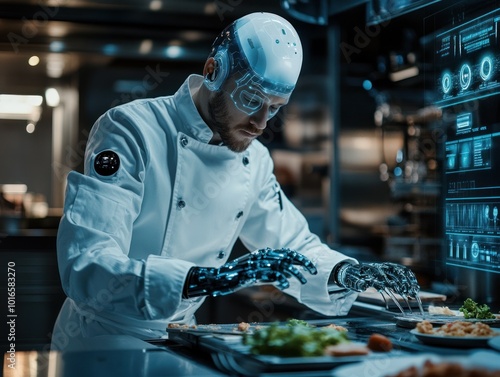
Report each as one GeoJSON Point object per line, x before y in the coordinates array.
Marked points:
{"type": "Point", "coordinates": [211, 355]}
{"type": "Point", "coordinates": [108, 356]}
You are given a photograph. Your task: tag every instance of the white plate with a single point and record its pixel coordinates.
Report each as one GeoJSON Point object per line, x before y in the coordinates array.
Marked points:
{"type": "Point", "coordinates": [454, 341]}
{"type": "Point", "coordinates": [410, 321]}
{"type": "Point", "coordinates": [383, 367]}
{"type": "Point", "coordinates": [393, 365]}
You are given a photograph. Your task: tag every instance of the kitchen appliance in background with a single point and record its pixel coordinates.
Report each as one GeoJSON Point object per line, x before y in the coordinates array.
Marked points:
{"type": "Point", "coordinates": [12, 214]}
{"type": "Point", "coordinates": [466, 59]}
{"type": "Point", "coordinates": [413, 234]}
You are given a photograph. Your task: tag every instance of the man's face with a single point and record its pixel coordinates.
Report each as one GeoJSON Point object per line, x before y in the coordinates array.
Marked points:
{"type": "Point", "coordinates": [236, 128]}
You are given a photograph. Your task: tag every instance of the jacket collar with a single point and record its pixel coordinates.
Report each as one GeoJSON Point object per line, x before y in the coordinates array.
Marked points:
{"type": "Point", "coordinates": [193, 124]}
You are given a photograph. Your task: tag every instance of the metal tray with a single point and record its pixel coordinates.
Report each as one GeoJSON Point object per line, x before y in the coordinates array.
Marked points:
{"type": "Point", "coordinates": [230, 355]}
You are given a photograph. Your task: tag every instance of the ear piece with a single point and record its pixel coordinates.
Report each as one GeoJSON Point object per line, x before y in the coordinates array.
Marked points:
{"type": "Point", "coordinates": [215, 80]}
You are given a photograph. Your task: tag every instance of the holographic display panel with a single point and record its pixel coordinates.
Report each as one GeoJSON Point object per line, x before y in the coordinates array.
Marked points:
{"type": "Point", "coordinates": [467, 80]}
{"type": "Point", "coordinates": [468, 60]}
{"type": "Point", "coordinates": [472, 185]}
{"type": "Point", "coordinates": [383, 10]}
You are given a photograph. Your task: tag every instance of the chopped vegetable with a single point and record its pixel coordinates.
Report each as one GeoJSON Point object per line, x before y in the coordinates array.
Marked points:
{"type": "Point", "coordinates": [295, 339]}
{"type": "Point", "coordinates": [472, 309]}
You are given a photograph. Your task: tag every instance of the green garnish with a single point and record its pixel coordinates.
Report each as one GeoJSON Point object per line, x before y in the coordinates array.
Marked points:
{"type": "Point", "coordinates": [472, 309]}
{"type": "Point", "coordinates": [296, 339]}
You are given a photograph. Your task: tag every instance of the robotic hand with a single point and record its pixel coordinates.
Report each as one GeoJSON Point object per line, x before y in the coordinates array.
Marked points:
{"type": "Point", "coordinates": [390, 278]}
{"type": "Point", "coordinates": [264, 265]}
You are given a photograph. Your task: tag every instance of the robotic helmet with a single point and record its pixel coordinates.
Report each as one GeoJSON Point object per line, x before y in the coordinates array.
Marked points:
{"type": "Point", "coordinates": [263, 53]}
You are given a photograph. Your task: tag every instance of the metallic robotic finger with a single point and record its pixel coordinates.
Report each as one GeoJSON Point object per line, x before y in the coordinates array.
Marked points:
{"type": "Point", "coordinates": [261, 266]}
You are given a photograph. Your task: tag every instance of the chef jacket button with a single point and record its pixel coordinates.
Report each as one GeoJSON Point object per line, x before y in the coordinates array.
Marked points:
{"type": "Point", "coordinates": [181, 204]}
{"type": "Point", "coordinates": [221, 254]}
{"type": "Point", "coordinates": [246, 161]}
{"type": "Point", "coordinates": [239, 214]}
{"type": "Point", "coordinates": [184, 141]}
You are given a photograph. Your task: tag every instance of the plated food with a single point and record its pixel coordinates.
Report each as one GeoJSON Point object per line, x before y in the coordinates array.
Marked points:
{"type": "Point", "coordinates": [457, 328]}
{"type": "Point", "coordinates": [470, 311]}
{"type": "Point", "coordinates": [444, 369]}
{"type": "Point", "coordinates": [455, 334]}
{"type": "Point", "coordinates": [443, 310]}
{"type": "Point", "coordinates": [477, 364]}
{"type": "Point", "coordinates": [299, 339]}
{"type": "Point", "coordinates": [240, 328]}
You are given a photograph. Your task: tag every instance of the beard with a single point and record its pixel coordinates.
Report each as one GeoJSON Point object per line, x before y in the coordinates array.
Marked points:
{"type": "Point", "coordinates": [220, 123]}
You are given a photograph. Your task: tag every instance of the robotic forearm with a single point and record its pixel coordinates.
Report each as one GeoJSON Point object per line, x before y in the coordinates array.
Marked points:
{"type": "Point", "coordinates": [390, 278]}
{"type": "Point", "coordinates": [380, 276]}
{"type": "Point", "coordinates": [261, 266]}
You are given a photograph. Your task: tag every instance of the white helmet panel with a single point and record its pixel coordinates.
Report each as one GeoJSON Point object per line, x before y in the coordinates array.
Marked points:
{"type": "Point", "coordinates": [263, 52]}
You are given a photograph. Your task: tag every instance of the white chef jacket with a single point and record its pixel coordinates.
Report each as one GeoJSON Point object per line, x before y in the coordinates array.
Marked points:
{"type": "Point", "coordinates": [127, 241]}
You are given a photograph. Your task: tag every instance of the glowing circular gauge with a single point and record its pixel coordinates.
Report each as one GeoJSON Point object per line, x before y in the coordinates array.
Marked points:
{"type": "Point", "coordinates": [465, 76]}
{"type": "Point", "coordinates": [486, 69]}
{"type": "Point", "coordinates": [475, 250]}
{"type": "Point", "coordinates": [446, 83]}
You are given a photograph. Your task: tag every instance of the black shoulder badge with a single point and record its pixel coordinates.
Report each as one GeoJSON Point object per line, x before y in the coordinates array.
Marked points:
{"type": "Point", "coordinates": [106, 163]}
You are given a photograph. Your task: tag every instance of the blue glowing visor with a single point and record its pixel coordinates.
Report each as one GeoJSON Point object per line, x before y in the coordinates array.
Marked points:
{"type": "Point", "coordinates": [252, 93]}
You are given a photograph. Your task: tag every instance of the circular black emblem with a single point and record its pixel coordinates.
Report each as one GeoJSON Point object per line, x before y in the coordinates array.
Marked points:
{"type": "Point", "coordinates": [106, 163]}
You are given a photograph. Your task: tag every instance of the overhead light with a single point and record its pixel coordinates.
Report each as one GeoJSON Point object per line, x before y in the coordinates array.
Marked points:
{"type": "Point", "coordinates": [173, 51]}
{"type": "Point", "coordinates": [145, 46]}
{"type": "Point", "coordinates": [52, 97]}
{"type": "Point", "coordinates": [110, 49]}
{"type": "Point", "coordinates": [30, 127]}
{"type": "Point", "coordinates": [404, 74]}
{"type": "Point", "coordinates": [210, 8]}
{"type": "Point", "coordinates": [56, 30]}
{"type": "Point", "coordinates": [34, 60]}
{"type": "Point", "coordinates": [155, 5]}
{"type": "Point", "coordinates": [55, 65]}
{"type": "Point", "coordinates": [24, 107]}
{"type": "Point", "coordinates": [56, 46]}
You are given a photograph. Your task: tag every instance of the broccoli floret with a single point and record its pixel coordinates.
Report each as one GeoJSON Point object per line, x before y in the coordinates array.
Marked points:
{"type": "Point", "coordinates": [472, 309]}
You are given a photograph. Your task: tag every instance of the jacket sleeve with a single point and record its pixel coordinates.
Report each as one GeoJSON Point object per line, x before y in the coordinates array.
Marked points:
{"type": "Point", "coordinates": [96, 228]}
{"type": "Point", "coordinates": [275, 222]}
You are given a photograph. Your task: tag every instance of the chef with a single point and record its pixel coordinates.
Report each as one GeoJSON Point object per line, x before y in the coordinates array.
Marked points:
{"type": "Point", "coordinates": [171, 183]}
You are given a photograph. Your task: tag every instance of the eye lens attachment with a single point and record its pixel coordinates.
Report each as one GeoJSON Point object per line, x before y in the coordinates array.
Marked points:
{"type": "Point", "coordinates": [249, 96]}
{"type": "Point", "coordinates": [247, 101]}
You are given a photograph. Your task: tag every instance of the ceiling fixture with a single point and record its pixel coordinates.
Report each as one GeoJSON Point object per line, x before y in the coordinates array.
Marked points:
{"type": "Point", "coordinates": [146, 46]}
{"type": "Point", "coordinates": [155, 5]}
{"type": "Point", "coordinates": [55, 65]}
{"type": "Point", "coordinates": [34, 60]}
{"type": "Point", "coordinates": [173, 51]}
{"type": "Point", "coordinates": [52, 97]}
{"type": "Point", "coordinates": [22, 107]}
